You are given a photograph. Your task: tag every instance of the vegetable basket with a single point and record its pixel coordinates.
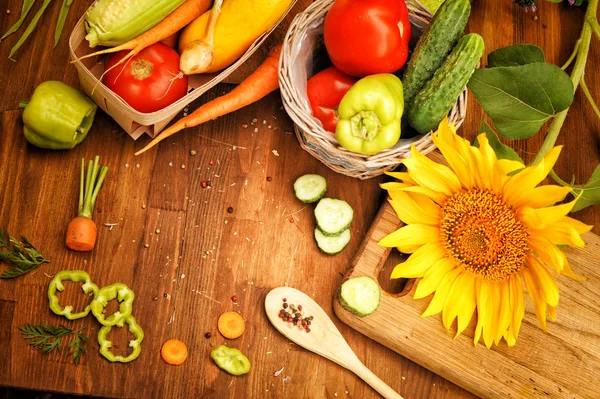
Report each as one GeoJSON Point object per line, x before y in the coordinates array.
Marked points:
{"type": "Point", "coordinates": [304, 54]}
{"type": "Point", "coordinates": [136, 123]}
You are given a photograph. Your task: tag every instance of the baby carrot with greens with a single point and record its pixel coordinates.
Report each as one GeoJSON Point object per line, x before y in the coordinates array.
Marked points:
{"type": "Point", "coordinates": [81, 231]}
{"type": "Point", "coordinates": [256, 86]}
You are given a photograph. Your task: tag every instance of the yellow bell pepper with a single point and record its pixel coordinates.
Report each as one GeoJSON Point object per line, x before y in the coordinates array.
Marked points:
{"type": "Point", "coordinates": [239, 24]}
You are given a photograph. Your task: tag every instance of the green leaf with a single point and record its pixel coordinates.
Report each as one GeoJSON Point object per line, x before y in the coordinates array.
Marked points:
{"type": "Point", "coordinates": [62, 17]}
{"type": "Point", "coordinates": [30, 28]}
{"type": "Point", "coordinates": [590, 192]}
{"type": "Point", "coordinates": [27, 4]}
{"type": "Point", "coordinates": [518, 54]}
{"type": "Point", "coordinates": [520, 99]}
{"type": "Point", "coordinates": [502, 150]}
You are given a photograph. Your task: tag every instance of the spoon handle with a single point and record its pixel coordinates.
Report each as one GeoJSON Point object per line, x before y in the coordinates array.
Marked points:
{"type": "Point", "coordinates": [367, 376]}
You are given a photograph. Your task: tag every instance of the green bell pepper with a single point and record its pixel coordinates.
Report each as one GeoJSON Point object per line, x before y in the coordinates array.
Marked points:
{"type": "Point", "coordinates": [135, 344]}
{"type": "Point", "coordinates": [56, 284]}
{"type": "Point", "coordinates": [58, 116]}
{"type": "Point", "coordinates": [118, 291]}
{"type": "Point", "coordinates": [370, 113]}
{"type": "Point", "coordinates": [231, 360]}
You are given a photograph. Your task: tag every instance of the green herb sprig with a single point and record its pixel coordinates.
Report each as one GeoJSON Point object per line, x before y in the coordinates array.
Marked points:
{"type": "Point", "coordinates": [48, 338]}
{"type": "Point", "coordinates": [22, 254]}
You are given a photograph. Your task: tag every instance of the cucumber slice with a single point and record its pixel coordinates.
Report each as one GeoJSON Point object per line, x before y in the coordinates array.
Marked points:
{"type": "Point", "coordinates": [310, 188]}
{"type": "Point", "coordinates": [332, 245]}
{"type": "Point", "coordinates": [333, 216]}
{"type": "Point", "coordinates": [359, 295]}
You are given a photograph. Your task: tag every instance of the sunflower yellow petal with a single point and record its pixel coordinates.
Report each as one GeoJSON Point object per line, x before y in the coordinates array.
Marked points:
{"type": "Point", "coordinates": [580, 227]}
{"type": "Point", "coordinates": [567, 271]}
{"type": "Point", "coordinates": [552, 313]}
{"type": "Point", "coordinates": [506, 166]}
{"type": "Point", "coordinates": [433, 277]}
{"type": "Point", "coordinates": [460, 164]}
{"type": "Point", "coordinates": [465, 313]}
{"type": "Point", "coordinates": [561, 232]}
{"type": "Point", "coordinates": [483, 307]}
{"type": "Point", "coordinates": [544, 281]}
{"type": "Point", "coordinates": [411, 235]}
{"type": "Point", "coordinates": [518, 296]}
{"type": "Point", "coordinates": [409, 249]}
{"type": "Point", "coordinates": [411, 211]}
{"type": "Point", "coordinates": [543, 217]}
{"type": "Point", "coordinates": [394, 186]}
{"type": "Point", "coordinates": [404, 176]}
{"type": "Point", "coordinates": [437, 303]}
{"type": "Point", "coordinates": [549, 253]}
{"type": "Point", "coordinates": [436, 196]}
{"type": "Point", "coordinates": [543, 196]}
{"type": "Point", "coordinates": [419, 262]}
{"type": "Point", "coordinates": [460, 300]}
{"type": "Point", "coordinates": [505, 314]}
{"type": "Point", "coordinates": [431, 174]}
{"type": "Point", "coordinates": [536, 297]}
{"type": "Point", "coordinates": [491, 326]}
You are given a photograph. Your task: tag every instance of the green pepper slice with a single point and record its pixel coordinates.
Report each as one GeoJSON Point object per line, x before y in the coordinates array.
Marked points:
{"type": "Point", "coordinates": [56, 284]}
{"type": "Point", "coordinates": [231, 360]}
{"type": "Point", "coordinates": [123, 294]}
{"type": "Point", "coordinates": [370, 113]}
{"type": "Point", "coordinates": [135, 344]}
{"type": "Point", "coordinates": [57, 116]}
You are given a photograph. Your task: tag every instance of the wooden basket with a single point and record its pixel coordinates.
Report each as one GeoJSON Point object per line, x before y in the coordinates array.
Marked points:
{"type": "Point", "coordinates": [296, 66]}
{"type": "Point", "coordinates": [136, 123]}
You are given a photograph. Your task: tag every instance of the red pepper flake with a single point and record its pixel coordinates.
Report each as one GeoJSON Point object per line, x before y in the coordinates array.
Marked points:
{"type": "Point", "coordinates": [211, 162]}
{"type": "Point", "coordinates": [234, 298]}
{"type": "Point", "coordinates": [203, 184]}
{"type": "Point", "coordinates": [280, 316]}
{"type": "Point", "coordinates": [292, 219]}
{"type": "Point", "coordinates": [244, 125]}
{"type": "Point", "coordinates": [284, 299]}
{"type": "Point", "coordinates": [299, 307]}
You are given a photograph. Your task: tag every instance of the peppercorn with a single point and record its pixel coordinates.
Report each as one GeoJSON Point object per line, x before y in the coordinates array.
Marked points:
{"type": "Point", "coordinates": [307, 330]}
{"type": "Point", "coordinates": [299, 307]}
{"type": "Point", "coordinates": [208, 335]}
{"type": "Point", "coordinates": [284, 299]}
{"type": "Point", "coordinates": [208, 183]}
{"type": "Point", "coordinates": [203, 184]}
{"type": "Point", "coordinates": [289, 319]}
{"type": "Point", "coordinates": [285, 305]}
{"type": "Point", "coordinates": [230, 210]}
{"type": "Point", "coordinates": [234, 298]}
{"type": "Point", "coordinates": [269, 178]}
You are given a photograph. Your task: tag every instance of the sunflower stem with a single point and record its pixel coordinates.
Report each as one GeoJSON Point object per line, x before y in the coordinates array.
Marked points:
{"type": "Point", "coordinates": [589, 97]}
{"type": "Point", "coordinates": [576, 76]}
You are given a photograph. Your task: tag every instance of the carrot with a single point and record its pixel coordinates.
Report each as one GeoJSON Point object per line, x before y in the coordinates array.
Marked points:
{"type": "Point", "coordinates": [81, 231]}
{"type": "Point", "coordinates": [174, 352]}
{"type": "Point", "coordinates": [231, 325]}
{"type": "Point", "coordinates": [182, 16]}
{"type": "Point", "coordinates": [256, 86]}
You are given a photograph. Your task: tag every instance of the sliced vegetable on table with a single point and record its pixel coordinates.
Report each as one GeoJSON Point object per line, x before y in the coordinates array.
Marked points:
{"type": "Point", "coordinates": [333, 216]}
{"type": "Point", "coordinates": [332, 244]}
{"type": "Point", "coordinates": [256, 86]}
{"type": "Point", "coordinates": [231, 325]}
{"type": "Point", "coordinates": [150, 80]}
{"type": "Point", "coordinates": [434, 45]}
{"type": "Point", "coordinates": [310, 188]}
{"type": "Point", "coordinates": [240, 23]}
{"type": "Point", "coordinates": [76, 276]}
{"type": "Point", "coordinates": [57, 116]}
{"type": "Point", "coordinates": [114, 22]}
{"type": "Point", "coordinates": [81, 231]}
{"type": "Point", "coordinates": [440, 93]}
{"type": "Point", "coordinates": [122, 293]}
{"type": "Point", "coordinates": [21, 254]}
{"type": "Point", "coordinates": [174, 352]}
{"type": "Point", "coordinates": [230, 360]}
{"type": "Point", "coordinates": [370, 114]}
{"type": "Point", "coordinates": [134, 344]}
{"type": "Point", "coordinates": [325, 90]}
{"type": "Point", "coordinates": [366, 37]}
{"type": "Point", "coordinates": [359, 295]}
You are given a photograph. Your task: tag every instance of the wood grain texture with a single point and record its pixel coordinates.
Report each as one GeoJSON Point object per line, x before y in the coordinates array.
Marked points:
{"type": "Point", "coordinates": [201, 257]}
{"type": "Point", "coordinates": [562, 363]}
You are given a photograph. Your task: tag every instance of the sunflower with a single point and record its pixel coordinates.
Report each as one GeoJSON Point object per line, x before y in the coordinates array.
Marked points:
{"type": "Point", "coordinates": [479, 232]}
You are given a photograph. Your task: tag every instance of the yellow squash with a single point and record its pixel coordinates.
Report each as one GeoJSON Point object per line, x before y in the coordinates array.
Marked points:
{"type": "Point", "coordinates": [240, 23]}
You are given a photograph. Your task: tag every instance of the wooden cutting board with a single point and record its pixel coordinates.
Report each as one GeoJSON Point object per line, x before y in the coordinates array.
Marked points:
{"type": "Point", "coordinates": [562, 363]}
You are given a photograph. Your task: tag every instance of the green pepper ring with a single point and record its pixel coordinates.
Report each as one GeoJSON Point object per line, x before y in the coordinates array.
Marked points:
{"type": "Point", "coordinates": [123, 294]}
{"type": "Point", "coordinates": [105, 344]}
{"type": "Point", "coordinates": [75, 276]}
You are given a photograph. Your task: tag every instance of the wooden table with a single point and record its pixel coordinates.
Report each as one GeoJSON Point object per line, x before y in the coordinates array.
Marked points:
{"type": "Point", "coordinates": [199, 254]}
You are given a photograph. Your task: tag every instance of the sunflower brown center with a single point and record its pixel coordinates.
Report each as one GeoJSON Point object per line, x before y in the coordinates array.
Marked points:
{"type": "Point", "coordinates": [483, 235]}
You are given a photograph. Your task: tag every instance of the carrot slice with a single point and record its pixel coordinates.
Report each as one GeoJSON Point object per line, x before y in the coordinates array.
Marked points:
{"type": "Point", "coordinates": [174, 352]}
{"type": "Point", "coordinates": [231, 325]}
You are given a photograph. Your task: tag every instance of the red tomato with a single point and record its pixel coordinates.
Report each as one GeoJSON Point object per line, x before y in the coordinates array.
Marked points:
{"type": "Point", "coordinates": [365, 37]}
{"type": "Point", "coordinates": [325, 91]}
{"type": "Point", "coordinates": [150, 81]}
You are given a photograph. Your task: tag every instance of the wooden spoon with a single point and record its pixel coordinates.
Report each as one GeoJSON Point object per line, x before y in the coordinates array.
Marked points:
{"type": "Point", "coordinates": [324, 338]}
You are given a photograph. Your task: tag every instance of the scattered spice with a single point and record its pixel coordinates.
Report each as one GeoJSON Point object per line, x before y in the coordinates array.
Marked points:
{"type": "Point", "coordinates": [204, 185]}
{"type": "Point", "coordinates": [157, 231]}
{"type": "Point", "coordinates": [182, 166]}
{"type": "Point", "coordinates": [269, 178]}
{"type": "Point", "coordinates": [211, 162]}
{"type": "Point", "coordinates": [290, 314]}
{"type": "Point", "coordinates": [193, 152]}
{"type": "Point", "coordinates": [234, 298]}
{"type": "Point", "coordinates": [275, 152]}
{"type": "Point", "coordinates": [207, 335]}
{"type": "Point", "coordinates": [230, 209]}
{"type": "Point", "coordinates": [291, 219]}
{"type": "Point", "coordinates": [208, 183]}
{"type": "Point", "coordinates": [278, 372]}
{"type": "Point", "coordinates": [146, 245]}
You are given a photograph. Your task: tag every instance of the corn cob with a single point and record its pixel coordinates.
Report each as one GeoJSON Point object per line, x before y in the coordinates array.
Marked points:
{"type": "Point", "coordinates": [114, 22]}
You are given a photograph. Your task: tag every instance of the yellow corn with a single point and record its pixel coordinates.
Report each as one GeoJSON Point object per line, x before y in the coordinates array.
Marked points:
{"type": "Point", "coordinates": [114, 22]}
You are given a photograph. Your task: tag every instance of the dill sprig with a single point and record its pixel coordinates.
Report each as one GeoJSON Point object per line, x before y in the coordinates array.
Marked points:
{"type": "Point", "coordinates": [47, 338]}
{"type": "Point", "coordinates": [22, 254]}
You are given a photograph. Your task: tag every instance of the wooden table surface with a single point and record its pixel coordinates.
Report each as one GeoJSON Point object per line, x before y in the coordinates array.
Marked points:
{"type": "Point", "coordinates": [199, 254]}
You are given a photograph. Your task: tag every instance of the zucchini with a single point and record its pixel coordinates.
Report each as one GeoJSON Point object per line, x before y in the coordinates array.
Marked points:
{"type": "Point", "coordinates": [359, 295]}
{"type": "Point", "coordinates": [333, 216]}
{"type": "Point", "coordinates": [444, 30]}
{"type": "Point", "coordinates": [310, 188]}
{"type": "Point", "coordinates": [332, 245]}
{"type": "Point", "coordinates": [439, 94]}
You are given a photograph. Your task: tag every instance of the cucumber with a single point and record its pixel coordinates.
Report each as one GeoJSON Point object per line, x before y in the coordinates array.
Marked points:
{"type": "Point", "coordinates": [359, 295]}
{"type": "Point", "coordinates": [310, 188]}
{"type": "Point", "coordinates": [434, 45]}
{"type": "Point", "coordinates": [333, 216]}
{"type": "Point", "coordinates": [332, 245]}
{"type": "Point", "coordinates": [439, 94]}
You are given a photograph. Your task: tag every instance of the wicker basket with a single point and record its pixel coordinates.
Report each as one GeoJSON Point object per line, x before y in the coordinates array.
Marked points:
{"type": "Point", "coordinates": [303, 51]}
{"type": "Point", "coordinates": [133, 122]}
